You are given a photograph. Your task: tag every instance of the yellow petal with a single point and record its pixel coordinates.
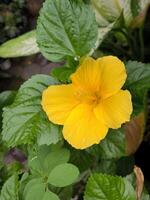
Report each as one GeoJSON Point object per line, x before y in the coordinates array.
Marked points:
{"type": "Point", "coordinates": [115, 110]}
{"type": "Point", "coordinates": [113, 75]}
{"type": "Point", "coordinates": [82, 129]}
{"type": "Point", "coordinates": [58, 102]}
{"type": "Point", "coordinates": [87, 76]}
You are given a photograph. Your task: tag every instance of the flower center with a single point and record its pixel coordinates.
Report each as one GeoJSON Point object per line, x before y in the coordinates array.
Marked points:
{"type": "Point", "coordinates": [92, 98]}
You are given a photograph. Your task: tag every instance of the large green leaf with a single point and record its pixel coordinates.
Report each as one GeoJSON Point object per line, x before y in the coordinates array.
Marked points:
{"type": "Point", "coordinates": [138, 75]}
{"type": "Point", "coordinates": [63, 175]}
{"type": "Point", "coordinates": [6, 98]}
{"type": "Point", "coordinates": [10, 189]}
{"type": "Point", "coordinates": [23, 45]}
{"type": "Point", "coordinates": [66, 28]}
{"type": "Point", "coordinates": [24, 120]}
{"type": "Point", "coordinates": [138, 82]}
{"type": "Point", "coordinates": [113, 146]}
{"type": "Point", "coordinates": [106, 187]}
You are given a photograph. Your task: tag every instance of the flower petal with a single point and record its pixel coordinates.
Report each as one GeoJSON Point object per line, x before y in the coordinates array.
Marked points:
{"type": "Point", "coordinates": [58, 102]}
{"type": "Point", "coordinates": [113, 75]}
{"type": "Point", "coordinates": [87, 76]}
{"type": "Point", "coordinates": [115, 110]}
{"type": "Point", "coordinates": [82, 129]}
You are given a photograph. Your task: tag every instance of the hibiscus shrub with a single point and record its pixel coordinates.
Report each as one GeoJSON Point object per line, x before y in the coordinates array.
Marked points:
{"type": "Point", "coordinates": [72, 134]}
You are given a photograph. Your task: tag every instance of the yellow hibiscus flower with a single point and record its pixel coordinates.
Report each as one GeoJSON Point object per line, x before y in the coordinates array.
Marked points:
{"type": "Point", "coordinates": [92, 103]}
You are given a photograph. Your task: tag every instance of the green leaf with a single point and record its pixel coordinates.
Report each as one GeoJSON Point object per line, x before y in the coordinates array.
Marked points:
{"type": "Point", "coordinates": [106, 11]}
{"type": "Point", "coordinates": [6, 98]}
{"type": "Point", "coordinates": [82, 159]}
{"type": "Point", "coordinates": [139, 11]}
{"type": "Point", "coordinates": [24, 120]}
{"type": "Point", "coordinates": [127, 12]}
{"type": "Point", "coordinates": [23, 45]}
{"type": "Point", "coordinates": [113, 146]}
{"type": "Point", "coordinates": [43, 164]}
{"type": "Point", "coordinates": [108, 16]}
{"type": "Point", "coordinates": [138, 82]}
{"type": "Point", "coordinates": [133, 12]}
{"type": "Point", "coordinates": [133, 180]}
{"type": "Point", "coordinates": [106, 187]}
{"type": "Point", "coordinates": [10, 189]}
{"type": "Point", "coordinates": [107, 166]}
{"type": "Point", "coordinates": [138, 75]}
{"type": "Point", "coordinates": [125, 165]}
{"type": "Point", "coordinates": [34, 181]}
{"type": "Point", "coordinates": [66, 28]}
{"type": "Point", "coordinates": [102, 34]}
{"type": "Point", "coordinates": [50, 196]}
{"type": "Point", "coordinates": [62, 73]}
{"type": "Point", "coordinates": [145, 196]}
{"type": "Point", "coordinates": [56, 158]}
{"type": "Point", "coordinates": [38, 191]}
{"type": "Point", "coordinates": [63, 175]}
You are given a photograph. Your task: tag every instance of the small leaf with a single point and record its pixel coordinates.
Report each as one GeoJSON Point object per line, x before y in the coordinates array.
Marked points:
{"type": "Point", "coordinates": [36, 189]}
{"type": "Point", "coordinates": [113, 146]}
{"type": "Point", "coordinates": [43, 164]}
{"type": "Point", "coordinates": [106, 187]}
{"type": "Point", "coordinates": [10, 189]}
{"type": "Point", "coordinates": [56, 158]}
{"type": "Point", "coordinates": [50, 196]}
{"type": "Point", "coordinates": [63, 175]}
{"type": "Point", "coordinates": [62, 73]}
{"type": "Point", "coordinates": [23, 45]}
{"type": "Point", "coordinates": [66, 28]}
{"type": "Point", "coordinates": [29, 185]}
{"type": "Point", "coordinates": [24, 120]}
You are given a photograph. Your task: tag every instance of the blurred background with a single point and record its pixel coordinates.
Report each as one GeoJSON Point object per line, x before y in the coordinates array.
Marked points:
{"type": "Point", "coordinates": [18, 17]}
